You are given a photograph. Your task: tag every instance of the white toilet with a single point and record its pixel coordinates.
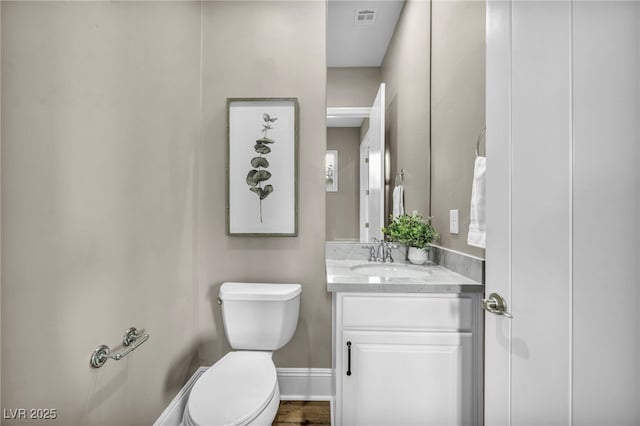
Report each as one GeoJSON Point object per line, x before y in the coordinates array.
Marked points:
{"type": "Point", "coordinates": [242, 387]}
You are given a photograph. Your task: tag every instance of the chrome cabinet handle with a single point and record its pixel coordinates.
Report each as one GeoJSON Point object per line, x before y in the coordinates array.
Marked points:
{"type": "Point", "coordinates": [495, 304]}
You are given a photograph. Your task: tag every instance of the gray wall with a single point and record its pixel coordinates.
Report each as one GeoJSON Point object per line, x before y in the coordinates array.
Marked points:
{"type": "Point", "coordinates": [405, 70]}
{"type": "Point", "coordinates": [352, 87]}
{"type": "Point", "coordinates": [247, 56]}
{"type": "Point", "coordinates": [113, 171]}
{"type": "Point", "coordinates": [343, 207]}
{"type": "Point", "coordinates": [457, 113]}
{"type": "Point", "coordinates": [100, 114]}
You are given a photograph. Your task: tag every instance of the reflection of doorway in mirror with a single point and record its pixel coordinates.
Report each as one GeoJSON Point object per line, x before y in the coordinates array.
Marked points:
{"type": "Point", "coordinates": [364, 189]}
{"type": "Point", "coordinates": [331, 171]}
{"type": "Point", "coordinates": [370, 168]}
{"type": "Point", "coordinates": [376, 183]}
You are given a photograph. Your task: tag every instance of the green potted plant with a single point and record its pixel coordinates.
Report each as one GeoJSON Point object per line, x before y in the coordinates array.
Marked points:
{"type": "Point", "coordinates": [414, 231]}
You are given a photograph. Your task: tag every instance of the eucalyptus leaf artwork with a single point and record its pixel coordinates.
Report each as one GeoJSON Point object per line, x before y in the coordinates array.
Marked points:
{"type": "Point", "coordinates": [262, 167]}
{"type": "Point", "coordinates": [258, 174]}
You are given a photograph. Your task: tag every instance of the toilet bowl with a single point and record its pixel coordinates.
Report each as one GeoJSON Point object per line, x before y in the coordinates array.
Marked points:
{"type": "Point", "coordinates": [242, 387]}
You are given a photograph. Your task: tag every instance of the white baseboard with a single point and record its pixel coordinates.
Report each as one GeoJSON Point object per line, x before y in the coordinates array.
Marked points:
{"type": "Point", "coordinates": [172, 415]}
{"type": "Point", "coordinates": [306, 384]}
{"type": "Point", "coordinates": [296, 384]}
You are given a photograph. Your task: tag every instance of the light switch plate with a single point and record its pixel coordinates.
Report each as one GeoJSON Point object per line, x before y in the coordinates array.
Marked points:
{"type": "Point", "coordinates": [453, 221]}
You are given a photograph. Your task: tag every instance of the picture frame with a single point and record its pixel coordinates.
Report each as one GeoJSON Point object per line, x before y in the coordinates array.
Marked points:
{"type": "Point", "coordinates": [331, 171]}
{"type": "Point", "coordinates": [262, 167]}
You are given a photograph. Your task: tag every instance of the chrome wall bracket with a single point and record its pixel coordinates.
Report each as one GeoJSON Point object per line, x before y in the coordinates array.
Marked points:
{"type": "Point", "coordinates": [131, 341]}
{"type": "Point", "coordinates": [99, 356]}
{"type": "Point", "coordinates": [130, 336]}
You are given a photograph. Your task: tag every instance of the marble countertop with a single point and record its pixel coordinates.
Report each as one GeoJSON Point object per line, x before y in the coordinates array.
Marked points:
{"type": "Point", "coordinates": [437, 279]}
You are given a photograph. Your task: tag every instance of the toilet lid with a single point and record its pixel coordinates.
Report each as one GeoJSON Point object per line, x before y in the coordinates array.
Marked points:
{"type": "Point", "coordinates": [234, 390]}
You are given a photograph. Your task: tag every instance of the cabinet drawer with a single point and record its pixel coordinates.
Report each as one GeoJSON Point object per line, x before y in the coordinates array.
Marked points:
{"type": "Point", "coordinates": [409, 312]}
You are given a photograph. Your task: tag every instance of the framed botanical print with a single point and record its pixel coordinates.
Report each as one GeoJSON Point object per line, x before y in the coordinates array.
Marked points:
{"type": "Point", "coordinates": [262, 168]}
{"type": "Point", "coordinates": [331, 171]}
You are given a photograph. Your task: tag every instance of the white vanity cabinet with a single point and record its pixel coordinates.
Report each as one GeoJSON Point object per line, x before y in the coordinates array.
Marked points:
{"type": "Point", "coordinates": [407, 359]}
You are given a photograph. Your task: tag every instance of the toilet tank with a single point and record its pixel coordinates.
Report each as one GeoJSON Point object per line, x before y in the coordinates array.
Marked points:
{"type": "Point", "coordinates": [259, 316]}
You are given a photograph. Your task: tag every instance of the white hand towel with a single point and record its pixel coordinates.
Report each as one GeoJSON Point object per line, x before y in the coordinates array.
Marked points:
{"type": "Point", "coordinates": [398, 201]}
{"type": "Point", "coordinates": [478, 223]}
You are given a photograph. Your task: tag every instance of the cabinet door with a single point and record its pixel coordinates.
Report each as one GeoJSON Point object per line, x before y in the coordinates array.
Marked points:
{"type": "Point", "coordinates": [406, 378]}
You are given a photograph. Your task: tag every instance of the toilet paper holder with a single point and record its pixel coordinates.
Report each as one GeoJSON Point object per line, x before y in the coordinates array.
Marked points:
{"type": "Point", "coordinates": [131, 341]}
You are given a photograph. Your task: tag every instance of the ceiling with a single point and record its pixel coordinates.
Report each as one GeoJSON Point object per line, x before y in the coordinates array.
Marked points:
{"type": "Point", "coordinates": [359, 45]}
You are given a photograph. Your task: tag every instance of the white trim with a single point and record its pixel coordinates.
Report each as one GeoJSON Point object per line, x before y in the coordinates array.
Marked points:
{"type": "Point", "coordinates": [296, 384]}
{"type": "Point", "coordinates": [306, 384]}
{"type": "Point", "coordinates": [349, 112]}
{"type": "Point", "coordinates": [346, 116]}
{"type": "Point", "coordinates": [172, 415]}
{"type": "Point", "coordinates": [332, 405]}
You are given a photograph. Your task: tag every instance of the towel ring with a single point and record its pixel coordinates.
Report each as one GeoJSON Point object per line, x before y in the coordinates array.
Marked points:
{"type": "Point", "coordinates": [480, 136]}
{"type": "Point", "coordinates": [400, 175]}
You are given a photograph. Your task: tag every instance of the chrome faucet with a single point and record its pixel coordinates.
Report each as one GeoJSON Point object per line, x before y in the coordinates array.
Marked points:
{"type": "Point", "coordinates": [373, 253]}
{"type": "Point", "coordinates": [380, 251]}
{"type": "Point", "coordinates": [387, 247]}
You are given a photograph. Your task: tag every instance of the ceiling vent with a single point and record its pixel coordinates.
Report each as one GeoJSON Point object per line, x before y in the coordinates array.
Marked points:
{"type": "Point", "coordinates": [365, 16]}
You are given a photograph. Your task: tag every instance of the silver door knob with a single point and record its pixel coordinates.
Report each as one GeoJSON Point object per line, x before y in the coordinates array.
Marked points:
{"type": "Point", "coordinates": [496, 304]}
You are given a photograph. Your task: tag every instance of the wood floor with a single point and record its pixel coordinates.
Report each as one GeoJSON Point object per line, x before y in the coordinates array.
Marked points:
{"type": "Point", "coordinates": [303, 413]}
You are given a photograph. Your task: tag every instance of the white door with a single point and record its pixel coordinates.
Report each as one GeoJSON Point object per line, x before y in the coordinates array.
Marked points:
{"type": "Point", "coordinates": [562, 213]}
{"type": "Point", "coordinates": [364, 189]}
{"type": "Point", "coordinates": [406, 378]}
{"type": "Point", "coordinates": [376, 165]}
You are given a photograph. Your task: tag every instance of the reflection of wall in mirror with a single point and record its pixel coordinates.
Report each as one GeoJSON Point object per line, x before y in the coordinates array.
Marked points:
{"type": "Point", "coordinates": [405, 71]}
{"type": "Point", "coordinates": [457, 113]}
{"type": "Point", "coordinates": [342, 207]}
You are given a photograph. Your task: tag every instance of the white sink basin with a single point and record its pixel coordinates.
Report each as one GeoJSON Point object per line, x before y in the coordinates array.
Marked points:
{"type": "Point", "coordinates": [393, 270]}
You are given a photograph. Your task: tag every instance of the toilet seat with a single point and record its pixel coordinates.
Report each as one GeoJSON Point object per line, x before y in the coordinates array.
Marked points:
{"type": "Point", "coordinates": [233, 391]}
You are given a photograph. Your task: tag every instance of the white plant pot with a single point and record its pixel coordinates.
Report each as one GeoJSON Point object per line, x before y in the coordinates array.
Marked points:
{"type": "Point", "coordinates": [417, 256]}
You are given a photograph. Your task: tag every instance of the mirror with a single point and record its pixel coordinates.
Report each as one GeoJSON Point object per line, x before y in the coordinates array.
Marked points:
{"type": "Point", "coordinates": [377, 55]}
{"type": "Point", "coordinates": [430, 59]}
